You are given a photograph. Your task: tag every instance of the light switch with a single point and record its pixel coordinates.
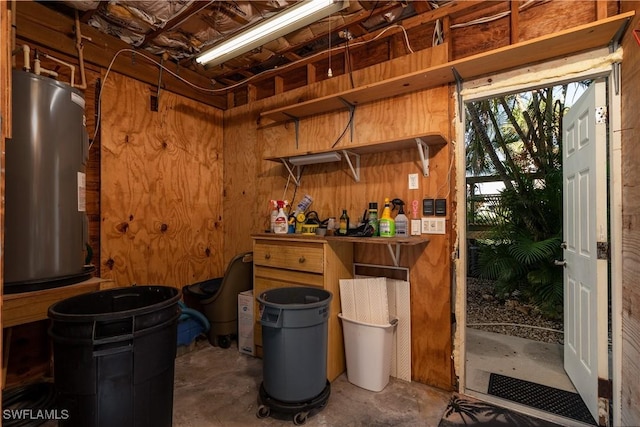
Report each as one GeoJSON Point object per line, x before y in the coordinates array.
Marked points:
{"type": "Point", "coordinates": [414, 184]}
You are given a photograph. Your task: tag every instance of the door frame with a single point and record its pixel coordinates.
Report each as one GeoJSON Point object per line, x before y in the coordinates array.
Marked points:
{"type": "Point", "coordinates": [596, 63]}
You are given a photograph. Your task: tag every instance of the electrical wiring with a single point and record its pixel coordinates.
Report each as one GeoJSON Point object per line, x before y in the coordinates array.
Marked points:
{"type": "Point", "coordinates": [497, 16]}
{"type": "Point", "coordinates": [240, 83]}
{"type": "Point", "coordinates": [446, 184]}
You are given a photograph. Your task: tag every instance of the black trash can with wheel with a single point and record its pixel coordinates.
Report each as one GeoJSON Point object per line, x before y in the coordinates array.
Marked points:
{"type": "Point", "coordinates": [294, 343]}
{"type": "Point", "coordinates": [114, 355]}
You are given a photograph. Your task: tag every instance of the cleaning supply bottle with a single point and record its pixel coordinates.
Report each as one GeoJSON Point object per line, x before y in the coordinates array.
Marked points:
{"type": "Point", "coordinates": [373, 217]}
{"type": "Point", "coordinates": [402, 222]}
{"type": "Point", "coordinates": [387, 225]}
{"type": "Point", "coordinates": [274, 214]}
{"type": "Point", "coordinates": [344, 223]}
{"type": "Point", "coordinates": [281, 225]}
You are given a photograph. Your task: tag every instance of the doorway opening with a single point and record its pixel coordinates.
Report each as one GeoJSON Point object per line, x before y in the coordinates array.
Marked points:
{"type": "Point", "coordinates": [520, 301]}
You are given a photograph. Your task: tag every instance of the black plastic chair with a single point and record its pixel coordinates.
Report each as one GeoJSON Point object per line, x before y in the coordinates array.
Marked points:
{"type": "Point", "coordinates": [217, 298]}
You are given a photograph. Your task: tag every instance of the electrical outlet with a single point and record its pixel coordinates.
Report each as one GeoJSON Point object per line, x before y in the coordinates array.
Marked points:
{"type": "Point", "coordinates": [438, 226]}
{"type": "Point", "coordinates": [425, 225]}
{"type": "Point", "coordinates": [433, 226]}
{"type": "Point", "coordinates": [414, 184]}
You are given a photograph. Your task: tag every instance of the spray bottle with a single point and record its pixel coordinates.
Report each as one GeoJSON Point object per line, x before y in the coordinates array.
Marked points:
{"type": "Point", "coordinates": [402, 222]}
{"type": "Point", "coordinates": [274, 214]}
{"type": "Point", "coordinates": [281, 225]}
{"type": "Point", "coordinates": [387, 226]}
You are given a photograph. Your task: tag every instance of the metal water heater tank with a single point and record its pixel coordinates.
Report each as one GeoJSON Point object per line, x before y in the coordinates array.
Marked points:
{"type": "Point", "coordinates": [45, 208]}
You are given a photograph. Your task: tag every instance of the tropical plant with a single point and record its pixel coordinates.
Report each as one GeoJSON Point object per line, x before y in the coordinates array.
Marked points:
{"type": "Point", "coordinates": [517, 138]}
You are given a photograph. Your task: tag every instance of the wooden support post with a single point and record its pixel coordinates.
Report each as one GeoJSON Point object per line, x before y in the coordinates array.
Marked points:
{"type": "Point", "coordinates": [278, 83]}
{"type": "Point", "coordinates": [514, 22]}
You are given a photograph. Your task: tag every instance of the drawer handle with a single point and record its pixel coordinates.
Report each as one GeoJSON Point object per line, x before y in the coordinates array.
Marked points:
{"type": "Point", "coordinates": [301, 260]}
{"type": "Point", "coordinates": [267, 256]}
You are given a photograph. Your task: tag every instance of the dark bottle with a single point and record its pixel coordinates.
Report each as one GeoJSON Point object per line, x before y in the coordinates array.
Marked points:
{"type": "Point", "coordinates": [373, 217]}
{"type": "Point", "coordinates": [344, 223]}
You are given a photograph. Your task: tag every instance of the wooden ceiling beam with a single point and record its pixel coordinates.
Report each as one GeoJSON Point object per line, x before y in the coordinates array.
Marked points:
{"type": "Point", "coordinates": [44, 27]}
{"type": "Point", "coordinates": [191, 10]}
{"type": "Point", "coordinates": [454, 8]}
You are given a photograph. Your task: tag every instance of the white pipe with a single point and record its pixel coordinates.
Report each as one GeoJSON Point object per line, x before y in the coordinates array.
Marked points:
{"type": "Point", "coordinates": [72, 67]}
{"type": "Point", "coordinates": [38, 70]}
{"type": "Point", "coordinates": [26, 50]}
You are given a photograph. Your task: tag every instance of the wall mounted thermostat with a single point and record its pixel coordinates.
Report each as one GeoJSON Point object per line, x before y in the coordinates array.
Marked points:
{"type": "Point", "coordinates": [441, 207]}
{"type": "Point", "coordinates": [427, 207]}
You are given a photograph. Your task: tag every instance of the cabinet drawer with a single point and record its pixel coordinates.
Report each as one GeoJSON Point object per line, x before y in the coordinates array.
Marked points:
{"type": "Point", "coordinates": [289, 255]}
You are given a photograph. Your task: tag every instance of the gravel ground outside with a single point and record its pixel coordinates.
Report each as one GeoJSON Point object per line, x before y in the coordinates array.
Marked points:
{"type": "Point", "coordinates": [509, 317]}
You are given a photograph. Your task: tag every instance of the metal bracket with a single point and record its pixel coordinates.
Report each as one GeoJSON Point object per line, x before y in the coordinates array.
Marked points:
{"type": "Point", "coordinates": [423, 152]}
{"type": "Point", "coordinates": [352, 113]}
{"type": "Point", "coordinates": [459, 82]}
{"type": "Point", "coordinates": [296, 123]}
{"type": "Point", "coordinates": [614, 44]}
{"type": "Point", "coordinates": [355, 170]}
{"type": "Point", "coordinates": [602, 250]}
{"type": "Point", "coordinates": [395, 256]}
{"type": "Point", "coordinates": [294, 176]}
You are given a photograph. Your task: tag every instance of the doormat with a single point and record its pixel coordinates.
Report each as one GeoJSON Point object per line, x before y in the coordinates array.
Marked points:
{"type": "Point", "coordinates": [549, 399]}
{"type": "Point", "coordinates": [465, 411]}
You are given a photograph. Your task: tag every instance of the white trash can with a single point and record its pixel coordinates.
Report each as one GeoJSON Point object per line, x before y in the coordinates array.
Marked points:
{"type": "Point", "coordinates": [368, 351]}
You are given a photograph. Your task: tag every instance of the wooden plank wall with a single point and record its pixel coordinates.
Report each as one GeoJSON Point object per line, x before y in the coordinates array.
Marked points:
{"type": "Point", "coordinates": [630, 95]}
{"type": "Point", "coordinates": [161, 198]}
{"type": "Point", "coordinates": [251, 182]}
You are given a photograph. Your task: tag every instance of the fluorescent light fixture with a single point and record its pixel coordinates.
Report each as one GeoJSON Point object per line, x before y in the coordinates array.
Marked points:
{"type": "Point", "coordinates": [312, 159]}
{"type": "Point", "coordinates": [301, 14]}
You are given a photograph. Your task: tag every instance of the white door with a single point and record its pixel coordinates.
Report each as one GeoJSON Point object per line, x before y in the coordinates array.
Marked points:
{"type": "Point", "coordinates": [585, 227]}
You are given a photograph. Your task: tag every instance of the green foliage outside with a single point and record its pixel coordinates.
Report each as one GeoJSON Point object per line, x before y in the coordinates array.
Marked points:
{"type": "Point", "coordinates": [518, 138]}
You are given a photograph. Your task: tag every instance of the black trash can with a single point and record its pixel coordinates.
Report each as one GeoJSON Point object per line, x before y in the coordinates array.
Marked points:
{"type": "Point", "coordinates": [294, 342]}
{"type": "Point", "coordinates": [114, 353]}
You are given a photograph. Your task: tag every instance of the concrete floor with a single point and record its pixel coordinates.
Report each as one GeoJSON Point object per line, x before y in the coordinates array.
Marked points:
{"type": "Point", "coordinates": [516, 357]}
{"type": "Point", "coordinates": [219, 387]}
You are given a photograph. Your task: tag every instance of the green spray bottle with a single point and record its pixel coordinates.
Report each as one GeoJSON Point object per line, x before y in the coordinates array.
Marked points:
{"type": "Point", "coordinates": [387, 226]}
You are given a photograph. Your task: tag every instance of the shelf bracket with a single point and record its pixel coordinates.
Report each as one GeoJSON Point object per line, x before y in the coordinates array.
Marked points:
{"type": "Point", "coordinates": [423, 151]}
{"type": "Point", "coordinates": [355, 170]}
{"type": "Point", "coordinates": [395, 255]}
{"type": "Point", "coordinates": [614, 44]}
{"type": "Point", "coordinates": [352, 113]}
{"type": "Point", "coordinates": [296, 123]}
{"type": "Point", "coordinates": [459, 82]}
{"type": "Point", "coordinates": [290, 168]}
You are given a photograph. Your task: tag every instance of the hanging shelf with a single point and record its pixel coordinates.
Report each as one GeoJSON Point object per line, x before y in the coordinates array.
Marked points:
{"type": "Point", "coordinates": [351, 154]}
{"type": "Point", "coordinates": [594, 35]}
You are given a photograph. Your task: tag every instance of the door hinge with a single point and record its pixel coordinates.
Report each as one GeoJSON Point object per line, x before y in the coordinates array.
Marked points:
{"type": "Point", "coordinates": [605, 388]}
{"type": "Point", "coordinates": [601, 115]}
{"type": "Point", "coordinates": [603, 250]}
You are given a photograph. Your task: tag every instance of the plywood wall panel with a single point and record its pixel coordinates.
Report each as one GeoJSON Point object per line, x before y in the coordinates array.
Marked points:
{"type": "Point", "coordinates": [535, 20]}
{"type": "Point", "coordinates": [161, 193]}
{"type": "Point", "coordinates": [494, 29]}
{"type": "Point", "coordinates": [630, 97]}
{"type": "Point", "coordinates": [333, 188]}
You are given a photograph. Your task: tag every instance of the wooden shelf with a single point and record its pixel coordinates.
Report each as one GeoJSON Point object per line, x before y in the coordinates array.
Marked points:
{"type": "Point", "coordinates": [393, 243]}
{"type": "Point", "coordinates": [578, 39]}
{"type": "Point", "coordinates": [375, 147]}
{"type": "Point", "coordinates": [419, 142]}
{"type": "Point", "coordinates": [33, 306]}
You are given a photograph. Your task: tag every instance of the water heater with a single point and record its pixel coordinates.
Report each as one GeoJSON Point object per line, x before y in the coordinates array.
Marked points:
{"type": "Point", "coordinates": [45, 208]}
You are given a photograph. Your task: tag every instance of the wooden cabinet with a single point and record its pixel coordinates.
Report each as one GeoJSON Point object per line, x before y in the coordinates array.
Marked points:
{"type": "Point", "coordinates": [292, 260]}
